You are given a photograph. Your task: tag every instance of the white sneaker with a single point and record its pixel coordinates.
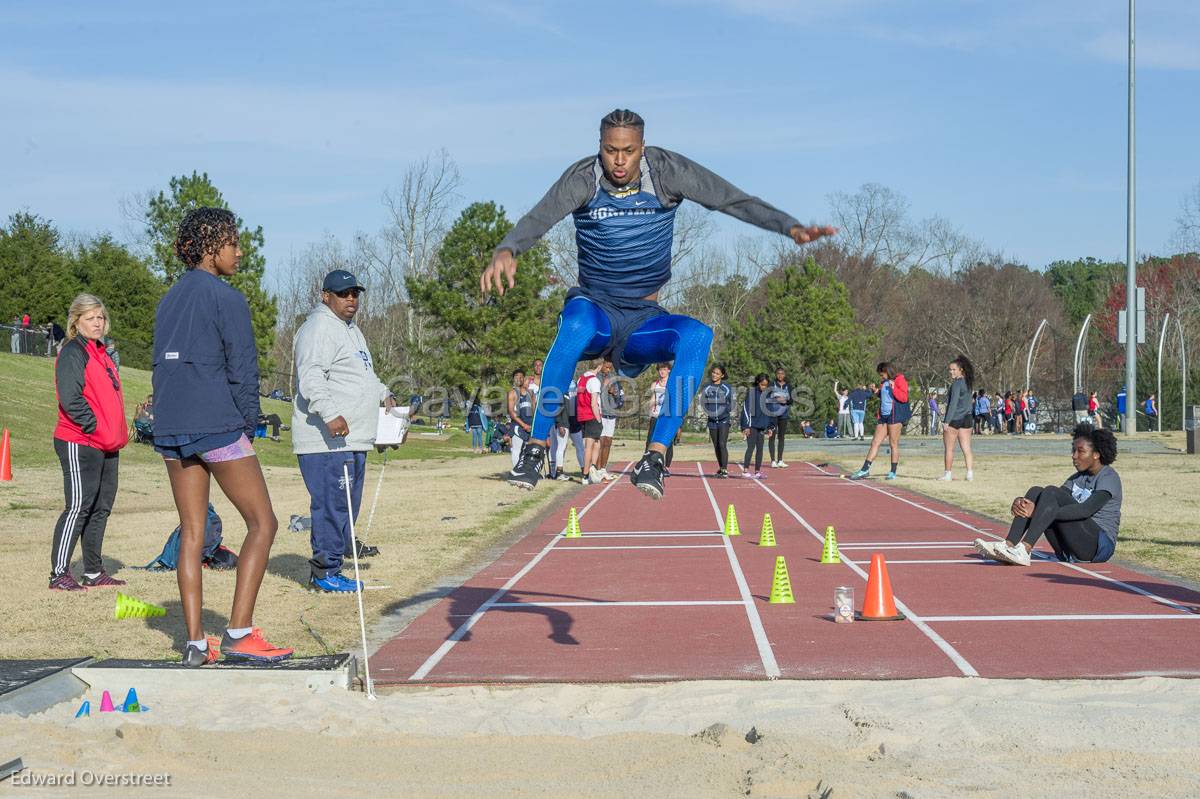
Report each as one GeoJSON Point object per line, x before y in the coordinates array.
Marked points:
{"type": "Point", "coordinates": [987, 548]}
{"type": "Point", "coordinates": [593, 477]}
{"type": "Point", "coordinates": [781, 465]}
{"type": "Point", "coordinates": [774, 464]}
{"type": "Point", "coordinates": [1013, 554]}
{"type": "Point", "coordinates": [970, 476]}
{"type": "Point", "coordinates": [946, 478]}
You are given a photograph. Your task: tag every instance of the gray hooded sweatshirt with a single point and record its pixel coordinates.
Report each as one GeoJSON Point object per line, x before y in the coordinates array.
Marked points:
{"type": "Point", "coordinates": [334, 377]}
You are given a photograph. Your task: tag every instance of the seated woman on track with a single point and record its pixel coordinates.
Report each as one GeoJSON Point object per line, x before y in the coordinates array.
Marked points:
{"type": "Point", "coordinates": [1080, 519]}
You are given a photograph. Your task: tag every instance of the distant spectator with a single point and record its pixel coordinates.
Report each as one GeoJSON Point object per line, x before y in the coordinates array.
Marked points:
{"type": "Point", "coordinates": [57, 336]}
{"type": "Point", "coordinates": [1093, 410]}
{"type": "Point", "coordinates": [959, 419]}
{"type": "Point", "coordinates": [1151, 408]}
{"type": "Point", "coordinates": [475, 423]}
{"type": "Point", "coordinates": [1031, 407]}
{"type": "Point", "coordinates": [110, 347]}
{"type": "Point", "coordinates": [14, 339]}
{"type": "Point", "coordinates": [858, 410]}
{"type": "Point", "coordinates": [521, 402]}
{"type": "Point", "coordinates": [843, 416]}
{"type": "Point", "coordinates": [831, 430]}
{"type": "Point", "coordinates": [806, 429]}
{"type": "Point", "coordinates": [779, 403]}
{"type": "Point", "coordinates": [933, 413]}
{"type": "Point", "coordinates": [894, 414]}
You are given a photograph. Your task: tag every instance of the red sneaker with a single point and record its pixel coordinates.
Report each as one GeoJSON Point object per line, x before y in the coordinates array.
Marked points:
{"type": "Point", "coordinates": [101, 580]}
{"type": "Point", "coordinates": [252, 647]}
{"type": "Point", "coordinates": [65, 582]}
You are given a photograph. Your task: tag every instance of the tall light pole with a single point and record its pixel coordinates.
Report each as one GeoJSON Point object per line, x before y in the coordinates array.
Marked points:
{"type": "Point", "coordinates": [1130, 271]}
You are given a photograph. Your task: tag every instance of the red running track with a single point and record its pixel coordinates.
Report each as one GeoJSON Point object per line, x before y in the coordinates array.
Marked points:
{"type": "Point", "coordinates": [654, 591]}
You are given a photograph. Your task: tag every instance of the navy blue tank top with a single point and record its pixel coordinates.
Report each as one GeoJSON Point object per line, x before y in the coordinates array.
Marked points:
{"type": "Point", "coordinates": [624, 239]}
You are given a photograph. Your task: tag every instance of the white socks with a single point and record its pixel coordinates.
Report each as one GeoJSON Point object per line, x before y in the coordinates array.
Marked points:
{"type": "Point", "coordinates": [970, 475]}
{"type": "Point", "coordinates": [202, 644]}
{"type": "Point", "coordinates": [240, 632]}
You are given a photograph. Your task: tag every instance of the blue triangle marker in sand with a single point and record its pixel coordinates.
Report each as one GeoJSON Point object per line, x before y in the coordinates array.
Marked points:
{"type": "Point", "coordinates": [84, 710]}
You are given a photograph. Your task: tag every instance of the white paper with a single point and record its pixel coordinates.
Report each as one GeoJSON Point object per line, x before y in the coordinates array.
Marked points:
{"type": "Point", "coordinates": [393, 426]}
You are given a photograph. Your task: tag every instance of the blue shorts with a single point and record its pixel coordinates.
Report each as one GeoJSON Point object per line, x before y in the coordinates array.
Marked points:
{"type": "Point", "coordinates": [624, 317]}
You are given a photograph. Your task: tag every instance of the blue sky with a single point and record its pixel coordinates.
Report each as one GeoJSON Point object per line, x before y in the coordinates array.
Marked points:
{"type": "Point", "coordinates": [1007, 118]}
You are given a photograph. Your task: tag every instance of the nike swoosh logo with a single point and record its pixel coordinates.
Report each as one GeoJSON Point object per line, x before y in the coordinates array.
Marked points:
{"type": "Point", "coordinates": [643, 202]}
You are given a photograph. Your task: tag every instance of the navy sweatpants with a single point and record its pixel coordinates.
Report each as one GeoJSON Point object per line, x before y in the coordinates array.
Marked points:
{"type": "Point", "coordinates": [324, 479]}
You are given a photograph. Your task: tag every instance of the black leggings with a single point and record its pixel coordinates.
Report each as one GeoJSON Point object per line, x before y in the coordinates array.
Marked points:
{"type": "Point", "coordinates": [1078, 537]}
{"type": "Point", "coordinates": [90, 486]}
{"type": "Point", "coordinates": [780, 427]}
{"type": "Point", "coordinates": [754, 443]}
{"type": "Point", "coordinates": [650, 435]}
{"type": "Point", "coordinates": [719, 436]}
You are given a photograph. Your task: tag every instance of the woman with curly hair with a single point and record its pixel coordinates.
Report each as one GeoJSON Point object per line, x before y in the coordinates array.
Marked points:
{"type": "Point", "coordinates": [205, 411]}
{"type": "Point", "coordinates": [960, 416]}
{"type": "Point", "coordinates": [1080, 519]}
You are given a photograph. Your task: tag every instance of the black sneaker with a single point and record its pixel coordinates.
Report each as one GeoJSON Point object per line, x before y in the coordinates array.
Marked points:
{"type": "Point", "coordinates": [648, 475]}
{"type": "Point", "coordinates": [723, 474]}
{"type": "Point", "coordinates": [365, 550]}
{"type": "Point", "coordinates": [527, 472]}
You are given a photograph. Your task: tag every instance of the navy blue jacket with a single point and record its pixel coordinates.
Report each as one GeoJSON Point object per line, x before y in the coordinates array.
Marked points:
{"type": "Point", "coordinates": [205, 359]}
{"type": "Point", "coordinates": [754, 410]}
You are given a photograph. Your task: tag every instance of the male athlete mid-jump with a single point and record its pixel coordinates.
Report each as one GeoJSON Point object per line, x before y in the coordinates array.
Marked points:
{"type": "Point", "coordinates": [624, 202]}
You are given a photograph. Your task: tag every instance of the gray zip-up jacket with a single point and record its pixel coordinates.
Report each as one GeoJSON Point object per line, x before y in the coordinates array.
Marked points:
{"type": "Point", "coordinates": [958, 406]}
{"type": "Point", "coordinates": [676, 178]}
{"type": "Point", "coordinates": [335, 376]}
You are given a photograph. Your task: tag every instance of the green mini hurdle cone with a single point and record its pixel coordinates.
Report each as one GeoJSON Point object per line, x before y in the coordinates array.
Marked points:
{"type": "Point", "coordinates": [130, 608]}
{"type": "Point", "coordinates": [573, 530]}
{"type": "Point", "coordinates": [767, 537]}
{"type": "Point", "coordinates": [731, 522]}
{"type": "Point", "coordinates": [829, 552]}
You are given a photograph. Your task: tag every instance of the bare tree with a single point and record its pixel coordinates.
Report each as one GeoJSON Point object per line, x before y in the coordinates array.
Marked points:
{"type": "Point", "coordinates": [873, 223]}
{"type": "Point", "coordinates": [1187, 234]}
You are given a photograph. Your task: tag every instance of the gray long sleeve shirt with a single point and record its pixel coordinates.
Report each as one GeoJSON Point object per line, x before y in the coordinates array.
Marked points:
{"type": "Point", "coordinates": [958, 406]}
{"type": "Point", "coordinates": [624, 232]}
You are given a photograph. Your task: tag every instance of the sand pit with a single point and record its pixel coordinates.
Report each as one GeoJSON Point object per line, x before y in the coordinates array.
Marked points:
{"type": "Point", "coordinates": [928, 738]}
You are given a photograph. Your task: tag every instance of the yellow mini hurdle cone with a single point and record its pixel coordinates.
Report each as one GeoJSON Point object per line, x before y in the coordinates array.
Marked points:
{"type": "Point", "coordinates": [573, 530]}
{"type": "Point", "coordinates": [829, 553]}
{"type": "Point", "coordinates": [130, 608]}
{"type": "Point", "coordinates": [731, 524]}
{"type": "Point", "coordinates": [767, 537]}
{"type": "Point", "coordinates": [781, 585]}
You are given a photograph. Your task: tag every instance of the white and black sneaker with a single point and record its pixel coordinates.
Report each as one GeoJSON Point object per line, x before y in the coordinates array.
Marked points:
{"type": "Point", "coordinates": [648, 475]}
{"type": "Point", "coordinates": [528, 470]}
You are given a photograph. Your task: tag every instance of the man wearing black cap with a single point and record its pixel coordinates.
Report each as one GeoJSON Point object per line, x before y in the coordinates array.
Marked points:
{"type": "Point", "coordinates": [334, 417]}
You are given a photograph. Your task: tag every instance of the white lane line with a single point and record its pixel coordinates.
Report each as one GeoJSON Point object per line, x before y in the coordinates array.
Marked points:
{"type": "Point", "coordinates": [1075, 567]}
{"type": "Point", "coordinates": [944, 561]}
{"type": "Point", "coordinates": [647, 535]}
{"type": "Point", "coordinates": [1069, 617]}
{"type": "Point", "coordinates": [642, 546]}
{"type": "Point", "coordinates": [666, 603]}
{"type": "Point", "coordinates": [765, 653]}
{"type": "Point", "coordinates": [941, 643]}
{"type": "Point", "coordinates": [904, 546]}
{"type": "Point", "coordinates": [466, 626]}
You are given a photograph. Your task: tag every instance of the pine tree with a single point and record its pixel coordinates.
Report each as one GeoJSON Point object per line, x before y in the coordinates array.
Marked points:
{"type": "Point", "coordinates": [477, 341]}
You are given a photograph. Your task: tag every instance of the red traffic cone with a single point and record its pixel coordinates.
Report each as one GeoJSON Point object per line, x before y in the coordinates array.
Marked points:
{"type": "Point", "coordinates": [879, 604]}
{"type": "Point", "coordinates": [5, 457]}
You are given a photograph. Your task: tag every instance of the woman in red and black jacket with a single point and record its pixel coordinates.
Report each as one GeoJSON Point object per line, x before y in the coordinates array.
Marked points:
{"type": "Point", "coordinates": [88, 439]}
{"type": "Point", "coordinates": [894, 413]}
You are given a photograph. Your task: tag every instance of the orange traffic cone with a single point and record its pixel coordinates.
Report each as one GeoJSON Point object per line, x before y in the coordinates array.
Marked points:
{"type": "Point", "coordinates": [879, 605]}
{"type": "Point", "coordinates": [5, 457]}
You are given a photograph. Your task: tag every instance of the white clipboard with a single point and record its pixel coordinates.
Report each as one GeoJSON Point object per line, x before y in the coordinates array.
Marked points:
{"type": "Point", "coordinates": [393, 426]}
